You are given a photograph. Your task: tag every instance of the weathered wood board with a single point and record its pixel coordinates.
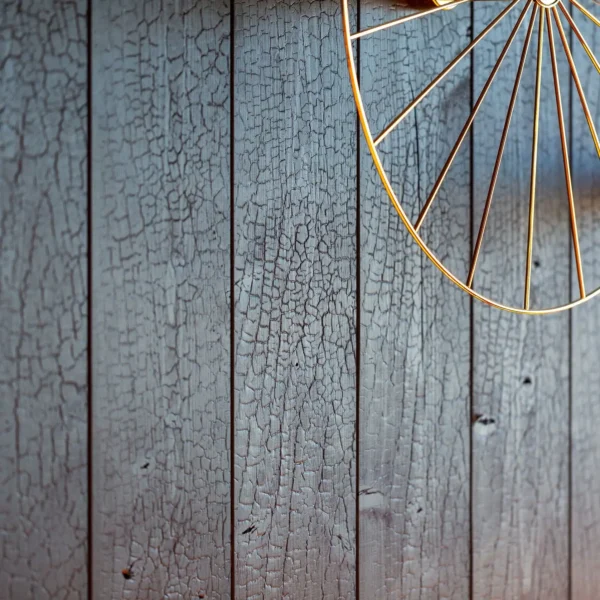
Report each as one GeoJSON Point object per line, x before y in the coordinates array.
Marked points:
{"type": "Point", "coordinates": [414, 346]}
{"type": "Point", "coordinates": [585, 376]}
{"type": "Point", "coordinates": [43, 301]}
{"type": "Point", "coordinates": [161, 318]}
{"type": "Point", "coordinates": [520, 415]}
{"type": "Point", "coordinates": [295, 303]}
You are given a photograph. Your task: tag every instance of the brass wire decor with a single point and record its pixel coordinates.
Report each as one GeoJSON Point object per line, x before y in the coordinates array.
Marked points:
{"type": "Point", "coordinates": [546, 16]}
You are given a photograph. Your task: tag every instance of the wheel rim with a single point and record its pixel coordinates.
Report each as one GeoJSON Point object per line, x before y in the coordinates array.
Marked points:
{"type": "Point", "coordinates": [544, 13]}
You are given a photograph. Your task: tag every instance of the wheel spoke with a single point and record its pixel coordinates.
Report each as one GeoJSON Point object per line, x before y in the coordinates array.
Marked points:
{"type": "Point", "coordinates": [580, 37]}
{"type": "Point", "coordinates": [534, 154]}
{"type": "Point", "coordinates": [511, 107]}
{"type": "Point", "coordinates": [565, 154]}
{"type": "Point", "coordinates": [586, 12]}
{"type": "Point", "coordinates": [469, 123]}
{"type": "Point", "coordinates": [443, 74]}
{"type": "Point", "coordinates": [405, 19]}
{"type": "Point", "coordinates": [584, 104]}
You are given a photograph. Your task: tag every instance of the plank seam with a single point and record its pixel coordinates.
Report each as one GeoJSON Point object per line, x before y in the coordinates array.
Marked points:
{"type": "Point", "coordinates": [90, 480]}
{"type": "Point", "coordinates": [232, 295]}
{"type": "Point", "coordinates": [471, 320]}
{"type": "Point", "coordinates": [358, 321]}
{"type": "Point", "coordinates": [570, 372]}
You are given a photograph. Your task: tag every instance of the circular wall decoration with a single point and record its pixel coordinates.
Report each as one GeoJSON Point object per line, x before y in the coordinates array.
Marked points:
{"type": "Point", "coordinates": [539, 18]}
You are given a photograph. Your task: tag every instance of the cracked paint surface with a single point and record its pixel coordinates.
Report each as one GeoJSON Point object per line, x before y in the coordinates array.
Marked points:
{"type": "Point", "coordinates": [520, 378]}
{"type": "Point", "coordinates": [585, 500]}
{"type": "Point", "coordinates": [161, 300]}
{"type": "Point", "coordinates": [43, 301]}
{"type": "Point", "coordinates": [414, 379]}
{"type": "Point", "coordinates": [295, 262]}
{"type": "Point", "coordinates": [165, 229]}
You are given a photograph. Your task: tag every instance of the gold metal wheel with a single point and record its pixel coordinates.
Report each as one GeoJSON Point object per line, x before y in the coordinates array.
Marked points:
{"type": "Point", "coordinates": [544, 17]}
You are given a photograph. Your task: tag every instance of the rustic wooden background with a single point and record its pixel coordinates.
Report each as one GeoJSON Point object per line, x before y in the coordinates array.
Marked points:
{"type": "Point", "coordinates": [226, 371]}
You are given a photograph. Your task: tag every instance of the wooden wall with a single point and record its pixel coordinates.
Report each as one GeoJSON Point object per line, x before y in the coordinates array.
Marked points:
{"type": "Point", "coordinates": [226, 370]}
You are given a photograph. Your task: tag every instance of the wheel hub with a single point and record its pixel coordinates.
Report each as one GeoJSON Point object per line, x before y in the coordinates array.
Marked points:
{"type": "Point", "coordinates": [546, 3]}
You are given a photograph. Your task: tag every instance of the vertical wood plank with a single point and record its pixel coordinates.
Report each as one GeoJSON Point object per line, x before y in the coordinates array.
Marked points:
{"type": "Point", "coordinates": [415, 325]}
{"type": "Point", "coordinates": [161, 286]}
{"type": "Point", "coordinates": [295, 267]}
{"type": "Point", "coordinates": [520, 430]}
{"type": "Point", "coordinates": [585, 505]}
{"type": "Point", "coordinates": [43, 300]}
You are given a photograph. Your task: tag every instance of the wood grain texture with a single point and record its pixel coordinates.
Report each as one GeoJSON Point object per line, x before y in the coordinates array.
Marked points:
{"type": "Point", "coordinates": [585, 503]}
{"type": "Point", "coordinates": [161, 257]}
{"type": "Point", "coordinates": [295, 286]}
{"type": "Point", "coordinates": [43, 301]}
{"type": "Point", "coordinates": [520, 364]}
{"type": "Point", "coordinates": [414, 394]}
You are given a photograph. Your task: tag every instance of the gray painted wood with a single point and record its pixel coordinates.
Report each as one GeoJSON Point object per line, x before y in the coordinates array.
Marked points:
{"type": "Point", "coordinates": [161, 257]}
{"type": "Point", "coordinates": [414, 394]}
{"type": "Point", "coordinates": [43, 301]}
{"type": "Point", "coordinates": [295, 295]}
{"type": "Point", "coordinates": [161, 246]}
{"type": "Point", "coordinates": [520, 365]}
{"type": "Point", "coordinates": [585, 503]}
